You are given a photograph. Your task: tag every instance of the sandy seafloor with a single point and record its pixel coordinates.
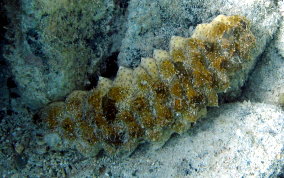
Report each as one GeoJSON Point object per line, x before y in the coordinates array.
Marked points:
{"type": "Point", "coordinates": [240, 138]}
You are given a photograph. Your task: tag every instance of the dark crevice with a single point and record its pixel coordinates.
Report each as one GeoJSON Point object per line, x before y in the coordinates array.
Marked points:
{"type": "Point", "coordinates": [93, 81]}
{"type": "Point", "coordinates": [108, 69]}
{"type": "Point", "coordinates": [12, 88]}
{"type": "Point", "coordinates": [9, 112]}
{"type": "Point", "coordinates": [14, 95]}
{"type": "Point", "coordinates": [4, 23]}
{"type": "Point", "coordinates": [11, 83]}
{"type": "Point", "coordinates": [2, 114]}
{"type": "Point", "coordinates": [101, 154]}
{"type": "Point", "coordinates": [141, 149]}
{"type": "Point", "coordinates": [122, 3]}
{"type": "Point", "coordinates": [36, 118]}
{"type": "Point", "coordinates": [92, 42]}
{"type": "Point", "coordinates": [32, 37]}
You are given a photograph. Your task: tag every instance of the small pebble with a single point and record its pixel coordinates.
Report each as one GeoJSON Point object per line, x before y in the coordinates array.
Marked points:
{"type": "Point", "coordinates": [41, 149]}
{"type": "Point", "coordinates": [281, 99]}
{"type": "Point", "coordinates": [40, 141]}
{"type": "Point", "coordinates": [52, 139]}
{"type": "Point", "coordinates": [16, 175]}
{"type": "Point", "coordinates": [20, 161]}
{"type": "Point", "coordinates": [19, 148]}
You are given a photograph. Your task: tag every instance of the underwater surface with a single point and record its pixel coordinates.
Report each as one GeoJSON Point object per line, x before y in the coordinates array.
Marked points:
{"type": "Point", "coordinates": [140, 88]}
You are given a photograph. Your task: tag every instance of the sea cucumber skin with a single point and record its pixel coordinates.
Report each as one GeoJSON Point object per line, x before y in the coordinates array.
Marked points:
{"type": "Point", "coordinates": [162, 96]}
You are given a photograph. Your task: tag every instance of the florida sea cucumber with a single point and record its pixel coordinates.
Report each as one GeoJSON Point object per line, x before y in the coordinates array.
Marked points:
{"type": "Point", "coordinates": [162, 96]}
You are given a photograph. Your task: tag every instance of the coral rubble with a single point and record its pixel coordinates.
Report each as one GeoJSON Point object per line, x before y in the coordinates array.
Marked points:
{"type": "Point", "coordinates": [163, 95]}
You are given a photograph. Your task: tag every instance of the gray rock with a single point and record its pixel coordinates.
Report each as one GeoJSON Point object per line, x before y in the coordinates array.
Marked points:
{"type": "Point", "coordinates": [19, 148]}
{"type": "Point", "coordinates": [53, 140]}
{"type": "Point", "coordinates": [266, 83]}
{"type": "Point", "coordinates": [152, 23]}
{"type": "Point", "coordinates": [54, 44]}
{"type": "Point", "coordinates": [280, 35]}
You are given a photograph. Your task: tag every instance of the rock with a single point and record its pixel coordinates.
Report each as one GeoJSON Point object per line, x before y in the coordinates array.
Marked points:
{"type": "Point", "coordinates": [19, 148]}
{"type": "Point", "coordinates": [41, 149]}
{"type": "Point", "coordinates": [280, 35]}
{"type": "Point", "coordinates": [265, 84]}
{"type": "Point", "coordinates": [281, 99]}
{"type": "Point", "coordinates": [20, 161]}
{"type": "Point", "coordinates": [54, 44]}
{"type": "Point", "coordinates": [53, 140]}
{"type": "Point", "coordinates": [16, 175]}
{"type": "Point", "coordinates": [280, 40]}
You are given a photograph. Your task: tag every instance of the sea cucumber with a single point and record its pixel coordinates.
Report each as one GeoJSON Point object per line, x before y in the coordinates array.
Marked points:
{"type": "Point", "coordinates": [162, 96]}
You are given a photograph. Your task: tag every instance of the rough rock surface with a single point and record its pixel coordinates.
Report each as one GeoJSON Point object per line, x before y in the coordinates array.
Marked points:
{"type": "Point", "coordinates": [280, 36]}
{"type": "Point", "coordinates": [53, 45]}
{"type": "Point", "coordinates": [266, 83]}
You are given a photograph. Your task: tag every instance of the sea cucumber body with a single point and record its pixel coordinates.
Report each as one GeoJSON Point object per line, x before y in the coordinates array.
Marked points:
{"type": "Point", "coordinates": [162, 96]}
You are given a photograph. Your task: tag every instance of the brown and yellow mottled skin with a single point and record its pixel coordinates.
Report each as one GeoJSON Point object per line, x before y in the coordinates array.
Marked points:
{"type": "Point", "coordinates": [163, 95]}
